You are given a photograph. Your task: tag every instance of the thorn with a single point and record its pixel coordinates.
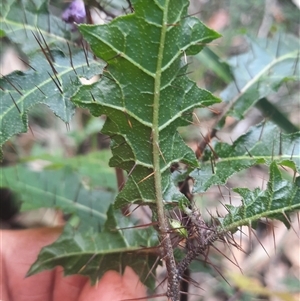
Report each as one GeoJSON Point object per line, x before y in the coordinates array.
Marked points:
{"type": "Point", "coordinates": [49, 23]}
{"type": "Point", "coordinates": [58, 87]}
{"type": "Point", "coordinates": [293, 151]}
{"type": "Point", "coordinates": [93, 96]}
{"type": "Point", "coordinates": [273, 149]}
{"type": "Point", "coordinates": [84, 266]}
{"type": "Point", "coordinates": [224, 255]}
{"type": "Point", "coordinates": [183, 74]}
{"type": "Point", "coordinates": [185, 59]}
{"type": "Point", "coordinates": [130, 6]}
{"type": "Point", "coordinates": [14, 103]}
{"type": "Point", "coordinates": [25, 63]}
{"type": "Point", "coordinates": [131, 170]}
{"type": "Point", "coordinates": [248, 152]}
{"type": "Point", "coordinates": [146, 297]}
{"type": "Point", "coordinates": [160, 152]}
{"type": "Point", "coordinates": [193, 14]}
{"type": "Point", "coordinates": [218, 271]}
{"type": "Point", "coordinates": [173, 24]}
{"type": "Point", "coordinates": [6, 78]}
{"type": "Point", "coordinates": [212, 166]}
{"type": "Point", "coordinates": [68, 126]}
{"type": "Point", "coordinates": [291, 225]}
{"type": "Point", "coordinates": [273, 234]}
{"type": "Point", "coordinates": [128, 120]}
{"type": "Point", "coordinates": [71, 61]}
{"type": "Point", "coordinates": [252, 51]}
{"type": "Point", "coordinates": [260, 242]}
{"type": "Point", "coordinates": [278, 46]}
{"type": "Point", "coordinates": [147, 177]}
{"type": "Point", "coordinates": [262, 130]}
{"type": "Point", "coordinates": [45, 54]}
{"type": "Point", "coordinates": [296, 63]}
{"type": "Point", "coordinates": [248, 71]}
{"type": "Point", "coordinates": [236, 85]}
{"type": "Point", "coordinates": [47, 47]}
{"type": "Point", "coordinates": [152, 268]}
{"type": "Point", "coordinates": [230, 198]}
{"type": "Point", "coordinates": [250, 236]}
{"type": "Point", "coordinates": [133, 227]}
{"type": "Point", "coordinates": [225, 238]}
{"type": "Point", "coordinates": [280, 143]}
{"type": "Point", "coordinates": [85, 54]}
{"type": "Point", "coordinates": [40, 90]}
{"type": "Point", "coordinates": [77, 192]}
{"type": "Point", "coordinates": [31, 131]}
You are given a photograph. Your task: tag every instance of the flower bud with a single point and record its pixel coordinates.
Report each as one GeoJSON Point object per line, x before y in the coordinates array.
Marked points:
{"type": "Point", "coordinates": [75, 12]}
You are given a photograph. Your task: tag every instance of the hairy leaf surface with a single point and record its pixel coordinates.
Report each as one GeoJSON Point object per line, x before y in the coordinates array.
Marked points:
{"type": "Point", "coordinates": [262, 144]}
{"type": "Point", "coordinates": [145, 94]}
{"type": "Point", "coordinates": [279, 199]}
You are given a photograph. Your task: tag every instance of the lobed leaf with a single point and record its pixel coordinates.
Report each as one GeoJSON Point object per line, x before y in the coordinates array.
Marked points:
{"type": "Point", "coordinates": [71, 186]}
{"type": "Point", "coordinates": [92, 254]}
{"type": "Point", "coordinates": [262, 144]}
{"type": "Point", "coordinates": [19, 19]}
{"type": "Point", "coordinates": [276, 202]}
{"type": "Point", "coordinates": [144, 90]}
{"type": "Point", "coordinates": [52, 86]}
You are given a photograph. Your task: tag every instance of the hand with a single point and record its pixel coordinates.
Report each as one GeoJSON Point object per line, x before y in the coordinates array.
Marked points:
{"type": "Point", "coordinates": [19, 249]}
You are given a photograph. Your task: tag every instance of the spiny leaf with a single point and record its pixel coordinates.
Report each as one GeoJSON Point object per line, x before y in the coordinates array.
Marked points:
{"type": "Point", "coordinates": [262, 144]}
{"type": "Point", "coordinates": [276, 202]}
{"type": "Point", "coordinates": [18, 19]}
{"type": "Point", "coordinates": [263, 69]}
{"type": "Point", "coordinates": [52, 86]}
{"type": "Point", "coordinates": [68, 187]}
{"type": "Point", "coordinates": [92, 254]}
{"type": "Point", "coordinates": [144, 91]}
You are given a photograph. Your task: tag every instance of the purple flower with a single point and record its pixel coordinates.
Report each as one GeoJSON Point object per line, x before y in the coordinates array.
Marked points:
{"type": "Point", "coordinates": [75, 13]}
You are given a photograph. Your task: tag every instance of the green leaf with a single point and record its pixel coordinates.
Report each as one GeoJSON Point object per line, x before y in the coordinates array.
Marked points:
{"type": "Point", "coordinates": [276, 115]}
{"type": "Point", "coordinates": [22, 90]}
{"type": "Point", "coordinates": [92, 167]}
{"type": "Point", "coordinates": [276, 202]}
{"type": "Point", "coordinates": [19, 19]}
{"type": "Point", "coordinates": [262, 144]}
{"type": "Point", "coordinates": [69, 186]}
{"type": "Point", "coordinates": [214, 63]}
{"type": "Point", "coordinates": [145, 94]}
{"type": "Point", "coordinates": [92, 254]}
{"type": "Point", "coordinates": [261, 70]}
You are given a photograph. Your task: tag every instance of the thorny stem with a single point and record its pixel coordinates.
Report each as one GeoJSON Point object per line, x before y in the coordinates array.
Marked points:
{"type": "Point", "coordinates": [173, 281]}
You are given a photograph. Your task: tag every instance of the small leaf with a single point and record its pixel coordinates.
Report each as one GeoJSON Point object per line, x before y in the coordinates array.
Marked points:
{"type": "Point", "coordinates": [262, 144]}
{"type": "Point", "coordinates": [276, 202]}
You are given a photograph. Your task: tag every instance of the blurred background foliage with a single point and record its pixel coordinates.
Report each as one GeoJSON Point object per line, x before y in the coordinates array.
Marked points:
{"type": "Point", "coordinates": [80, 148]}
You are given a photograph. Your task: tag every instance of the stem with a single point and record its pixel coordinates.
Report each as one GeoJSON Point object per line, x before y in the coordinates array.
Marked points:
{"type": "Point", "coordinates": [173, 281]}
